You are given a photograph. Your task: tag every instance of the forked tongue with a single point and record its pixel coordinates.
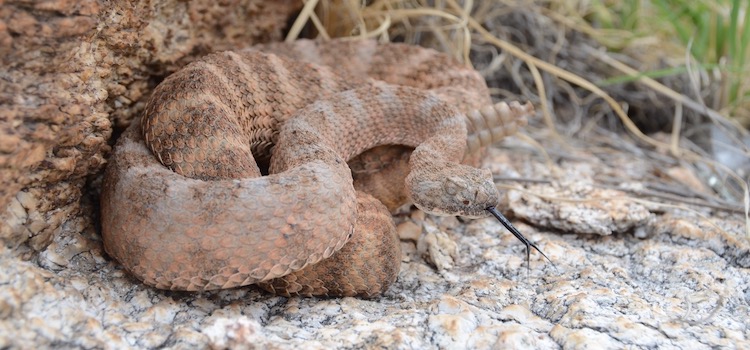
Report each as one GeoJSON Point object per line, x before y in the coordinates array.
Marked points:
{"type": "Point", "coordinates": [503, 220]}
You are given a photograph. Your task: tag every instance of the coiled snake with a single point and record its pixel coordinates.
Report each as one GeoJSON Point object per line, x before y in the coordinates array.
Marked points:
{"type": "Point", "coordinates": [184, 205]}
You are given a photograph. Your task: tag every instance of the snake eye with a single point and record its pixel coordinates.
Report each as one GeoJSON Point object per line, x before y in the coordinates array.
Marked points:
{"type": "Point", "coordinates": [466, 202]}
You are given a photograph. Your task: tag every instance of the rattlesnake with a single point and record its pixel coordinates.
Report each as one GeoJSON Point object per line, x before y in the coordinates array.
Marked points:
{"type": "Point", "coordinates": [185, 207]}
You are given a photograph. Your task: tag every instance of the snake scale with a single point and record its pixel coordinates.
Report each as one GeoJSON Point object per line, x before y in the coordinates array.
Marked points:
{"type": "Point", "coordinates": [186, 204]}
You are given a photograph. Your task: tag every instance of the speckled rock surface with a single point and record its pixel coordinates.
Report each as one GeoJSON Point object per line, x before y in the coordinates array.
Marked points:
{"type": "Point", "coordinates": [655, 278]}
{"type": "Point", "coordinates": [69, 70]}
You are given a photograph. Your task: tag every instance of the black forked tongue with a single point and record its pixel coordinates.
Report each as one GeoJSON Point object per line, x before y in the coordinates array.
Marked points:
{"type": "Point", "coordinates": [503, 220]}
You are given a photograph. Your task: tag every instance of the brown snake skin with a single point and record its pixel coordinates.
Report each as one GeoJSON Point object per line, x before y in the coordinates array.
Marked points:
{"type": "Point", "coordinates": [184, 205]}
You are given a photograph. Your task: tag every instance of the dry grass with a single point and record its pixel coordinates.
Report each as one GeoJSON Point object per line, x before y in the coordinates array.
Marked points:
{"type": "Point", "coordinates": [547, 52]}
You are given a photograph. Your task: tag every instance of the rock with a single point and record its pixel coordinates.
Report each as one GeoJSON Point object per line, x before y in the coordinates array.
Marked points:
{"type": "Point", "coordinates": [409, 230]}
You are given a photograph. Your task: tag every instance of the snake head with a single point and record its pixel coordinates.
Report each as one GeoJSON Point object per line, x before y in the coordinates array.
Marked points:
{"type": "Point", "coordinates": [455, 190]}
{"type": "Point", "coordinates": [458, 189]}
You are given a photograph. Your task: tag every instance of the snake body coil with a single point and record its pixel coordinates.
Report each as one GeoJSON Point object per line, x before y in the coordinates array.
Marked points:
{"type": "Point", "coordinates": [184, 205]}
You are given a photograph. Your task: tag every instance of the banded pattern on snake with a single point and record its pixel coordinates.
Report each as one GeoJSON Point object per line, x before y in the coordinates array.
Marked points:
{"type": "Point", "coordinates": [184, 202]}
